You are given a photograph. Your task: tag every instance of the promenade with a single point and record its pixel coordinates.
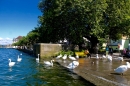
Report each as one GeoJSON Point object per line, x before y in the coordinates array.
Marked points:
{"type": "Point", "coordinates": [99, 71]}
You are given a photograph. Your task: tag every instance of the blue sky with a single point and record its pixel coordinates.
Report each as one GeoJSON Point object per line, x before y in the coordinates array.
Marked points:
{"type": "Point", "coordinates": [18, 17]}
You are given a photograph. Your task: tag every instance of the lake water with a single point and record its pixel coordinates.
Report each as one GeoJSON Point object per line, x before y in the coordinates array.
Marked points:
{"type": "Point", "coordinates": [30, 73]}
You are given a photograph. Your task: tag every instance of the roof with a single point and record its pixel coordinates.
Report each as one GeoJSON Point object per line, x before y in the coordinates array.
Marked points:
{"type": "Point", "coordinates": [19, 37]}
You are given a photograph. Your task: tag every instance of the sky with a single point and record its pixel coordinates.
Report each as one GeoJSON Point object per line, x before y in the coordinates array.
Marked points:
{"type": "Point", "coordinates": [17, 18]}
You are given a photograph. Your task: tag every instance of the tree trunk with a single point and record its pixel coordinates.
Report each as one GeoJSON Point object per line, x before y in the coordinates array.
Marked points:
{"type": "Point", "coordinates": [94, 44]}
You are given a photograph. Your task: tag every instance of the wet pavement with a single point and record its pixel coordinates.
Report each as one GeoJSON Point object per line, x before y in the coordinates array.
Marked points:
{"type": "Point", "coordinates": [101, 71]}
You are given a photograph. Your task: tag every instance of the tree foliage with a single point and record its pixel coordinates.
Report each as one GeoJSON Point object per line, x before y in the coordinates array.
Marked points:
{"type": "Point", "coordinates": [73, 19]}
{"type": "Point", "coordinates": [117, 18]}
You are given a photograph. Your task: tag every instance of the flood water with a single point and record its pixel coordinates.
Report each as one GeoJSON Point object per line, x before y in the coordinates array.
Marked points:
{"type": "Point", "coordinates": [30, 73]}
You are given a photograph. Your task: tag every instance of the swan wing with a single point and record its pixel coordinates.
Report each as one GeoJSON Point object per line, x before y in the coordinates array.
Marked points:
{"type": "Point", "coordinates": [72, 58]}
{"type": "Point", "coordinates": [121, 69]}
{"type": "Point", "coordinates": [104, 56]}
{"type": "Point", "coordinates": [64, 57]}
{"type": "Point", "coordinates": [59, 56]}
{"type": "Point", "coordinates": [11, 64]}
{"type": "Point", "coordinates": [77, 56]}
{"type": "Point", "coordinates": [120, 58]}
{"type": "Point", "coordinates": [47, 62]}
{"type": "Point", "coordinates": [37, 58]}
{"type": "Point", "coordinates": [19, 59]}
{"type": "Point", "coordinates": [76, 63]}
{"type": "Point", "coordinates": [71, 66]}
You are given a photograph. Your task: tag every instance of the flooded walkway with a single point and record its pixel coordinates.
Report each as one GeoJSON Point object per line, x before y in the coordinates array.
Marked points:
{"type": "Point", "coordinates": [101, 71]}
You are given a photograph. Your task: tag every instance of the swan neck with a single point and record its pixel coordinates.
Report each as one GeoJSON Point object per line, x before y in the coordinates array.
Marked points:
{"type": "Point", "coordinates": [52, 62]}
{"type": "Point", "coordinates": [9, 60]}
{"type": "Point", "coordinates": [38, 55]}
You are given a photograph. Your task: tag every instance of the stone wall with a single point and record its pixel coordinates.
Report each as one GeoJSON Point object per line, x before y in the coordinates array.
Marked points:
{"type": "Point", "coordinates": [46, 50]}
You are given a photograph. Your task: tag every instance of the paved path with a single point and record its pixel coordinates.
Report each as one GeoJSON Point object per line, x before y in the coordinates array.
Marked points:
{"type": "Point", "coordinates": [87, 71]}
{"type": "Point", "coordinates": [100, 55]}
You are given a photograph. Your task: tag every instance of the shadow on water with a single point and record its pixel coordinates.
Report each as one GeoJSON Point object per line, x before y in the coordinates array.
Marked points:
{"type": "Point", "coordinates": [60, 76]}
{"type": "Point", "coordinates": [102, 69]}
{"type": "Point", "coordinates": [28, 72]}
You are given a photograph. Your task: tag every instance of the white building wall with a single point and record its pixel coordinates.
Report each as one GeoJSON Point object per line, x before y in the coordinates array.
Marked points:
{"type": "Point", "coordinates": [124, 43]}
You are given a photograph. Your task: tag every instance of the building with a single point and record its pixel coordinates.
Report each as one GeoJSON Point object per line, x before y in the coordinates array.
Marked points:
{"type": "Point", "coordinates": [120, 44]}
{"type": "Point", "coordinates": [17, 39]}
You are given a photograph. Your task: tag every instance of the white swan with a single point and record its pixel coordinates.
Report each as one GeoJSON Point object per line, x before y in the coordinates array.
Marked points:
{"type": "Point", "coordinates": [109, 58]}
{"type": "Point", "coordinates": [77, 56]}
{"type": "Point", "coordinates": [97, 56]}
{"type": "Point", "coordinates": [47, 63]}
{"type": "Point", "coordinates": [120, 58]}
{"type": "Point", "coordinates": [128, 64]}
{"type": "Point", "coordinates": [64, 57]}
{"type": "Point", "coordinates": [72, 65]}
{"type": "Point", "coordinates": [72, 58]}
{"type": "Point", "coordinates": [123, 68]}
{"type": "Point", "coordinates": [103, 56]}
{"type": "Point", "coordinates": [19, 59]}
{"type": "Point", "coordinates": [59, 56]}
{"type": "Point", "coordinates": [76, 63]}
{"type": "Point", "coordinates": [37, 59]}
{"type": "Point", "coordinates": [11, 63]}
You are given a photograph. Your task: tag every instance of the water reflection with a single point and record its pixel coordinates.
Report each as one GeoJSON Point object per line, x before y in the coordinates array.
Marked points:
{"type": "Point", "coordinates": [97, 64]}
{"type": "Point", "coordinates": [109, 65]}
{"type": "Point", "coordinates": [10, 69]}
{"type": "Point", "coordinates": [104, 69]}
{"type": "Point", "coordinates": [37, 61]}
{"type": "Point", "coordinates": [120, 79]}
{"type": "Point", "coordinates": [60, 76]}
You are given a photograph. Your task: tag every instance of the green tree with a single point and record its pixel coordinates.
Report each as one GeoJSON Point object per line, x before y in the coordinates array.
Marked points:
{"type": "Point", "coordinates": [71, 19]}
{"type": "Point", "coordinates": [74, 19]}
{"type": "Point", "coordinates": [33, 36]}
{"type": "Point", "coordinates": [117, 18]}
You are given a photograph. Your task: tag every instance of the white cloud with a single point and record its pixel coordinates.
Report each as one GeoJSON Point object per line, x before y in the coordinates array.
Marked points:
{"type": "Point", "coordinates": [8, 38]}
{"type": "Point", "coordinates": [1, 38]}
{"type": "Point", "coordinates": [5, 41]}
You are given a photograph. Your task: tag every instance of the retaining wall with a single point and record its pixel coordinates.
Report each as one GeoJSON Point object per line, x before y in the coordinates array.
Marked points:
{"type": "Point", "coordinates": [46, 50]}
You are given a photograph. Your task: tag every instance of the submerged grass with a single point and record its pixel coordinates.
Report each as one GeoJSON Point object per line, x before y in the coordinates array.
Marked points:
{"type": "Point", "coordinates": [59, 76]}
